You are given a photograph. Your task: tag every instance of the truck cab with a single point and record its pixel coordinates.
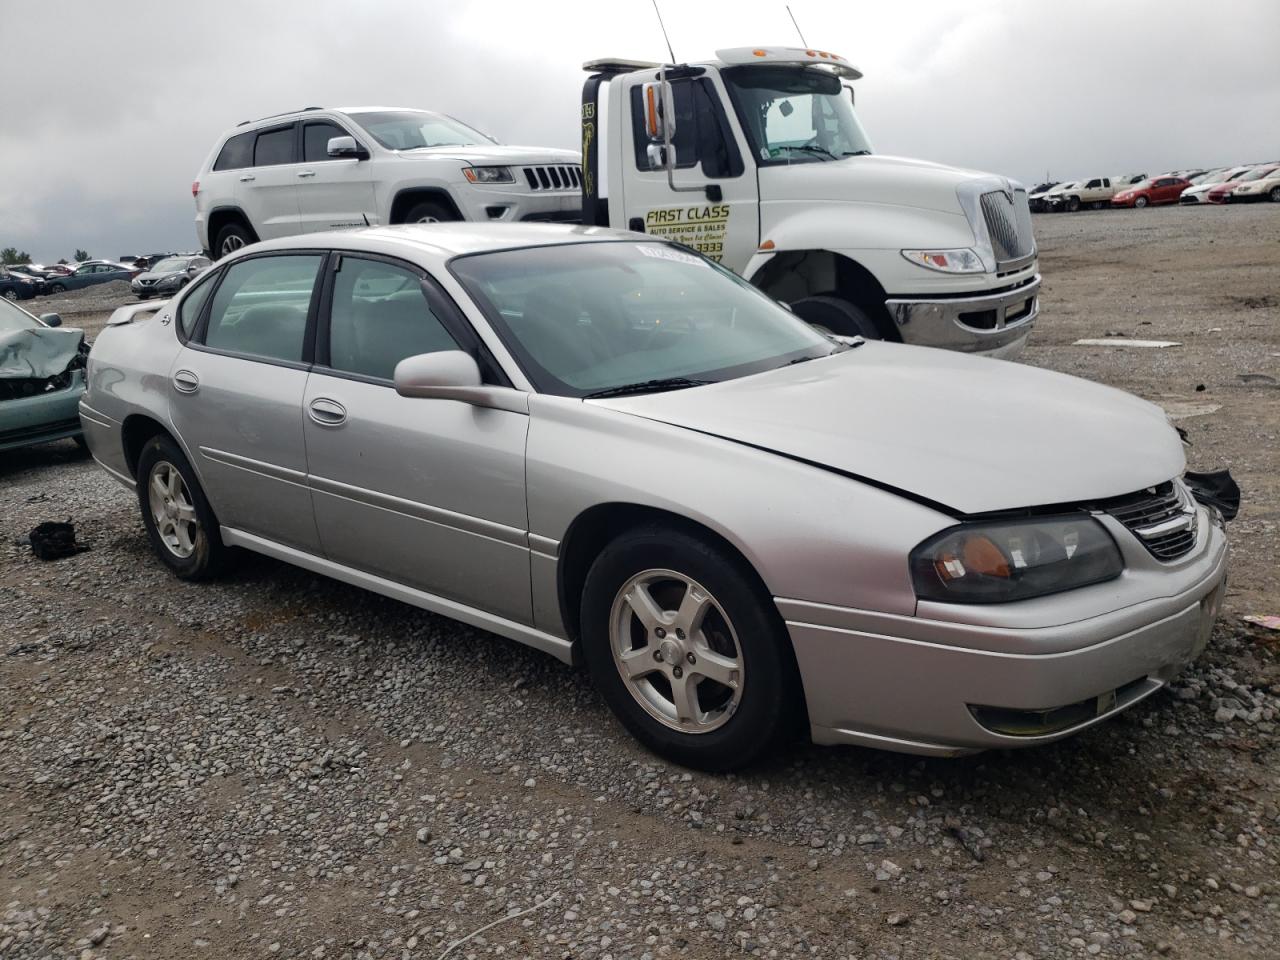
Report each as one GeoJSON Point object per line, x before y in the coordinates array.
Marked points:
{"type": "Point", "coordinates": [757, 159]}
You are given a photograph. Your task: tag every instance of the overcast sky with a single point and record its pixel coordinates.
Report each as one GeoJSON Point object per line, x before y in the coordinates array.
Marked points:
{"type": "Point", "coordinates": [111, 110]}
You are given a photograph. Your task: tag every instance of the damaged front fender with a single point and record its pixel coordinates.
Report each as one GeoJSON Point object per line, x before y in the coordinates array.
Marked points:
{"type": "Point", "coordinates": [41, 381]}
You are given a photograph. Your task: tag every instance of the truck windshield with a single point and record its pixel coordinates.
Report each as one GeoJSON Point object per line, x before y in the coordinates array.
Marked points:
{"type": "Point", "coordinates": [586, 319]}
{"type": "Point", "coordinates": [795, 114]}
{"type": "Point", "coordinates": [414, 129]}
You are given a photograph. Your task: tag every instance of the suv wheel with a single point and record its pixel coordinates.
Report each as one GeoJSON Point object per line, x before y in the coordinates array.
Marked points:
{"type": "Point", "coordinates": [429, 211]}
{"type": "Point", "coordinates": [230, 239]}
{"type": "Point", "coordinates": [687, 651]}
{"type": "Point", "coordinates": [179, 521]}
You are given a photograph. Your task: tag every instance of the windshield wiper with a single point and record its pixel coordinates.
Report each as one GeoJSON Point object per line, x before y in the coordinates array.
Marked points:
{"type": "Point", "coordinates": [856, 153]}
{"type": "Point", "coordinates": [648, 386]}
{"type": "Point", "coordinates": [812, 148]}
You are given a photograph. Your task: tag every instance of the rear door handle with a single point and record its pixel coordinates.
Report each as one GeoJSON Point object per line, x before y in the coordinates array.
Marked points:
{"type": "Point", "coordinates": [306, 173]}
{"type": "Point", "coordinates": [184, 381]}
{"type": "Point", "coordinates": [247, 177]}
{"type": "Point", "coordinates": [326, 412]}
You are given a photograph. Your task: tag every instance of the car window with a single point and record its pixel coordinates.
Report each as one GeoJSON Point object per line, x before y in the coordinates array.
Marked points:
{"type": "Point", "coordinates": [80, 271]}
{"type": "Point", "coordinates": [236, 153]}
{"type": "Point", "coordinates": [274, 147]}
{"type": "Point", "coordinates": [192, 304]}
{"type": "Point", "coordinates": [14, 318]}
{"type": "Point", "coordinates": [260, 307]}
{"type": "Point", "coordinates": [380, 316]}
{"type": "Point", "coordinates": [315, 141]}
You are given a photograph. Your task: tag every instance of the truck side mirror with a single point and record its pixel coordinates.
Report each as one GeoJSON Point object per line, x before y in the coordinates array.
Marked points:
{"type": "Point", "coordinates": [659, 111]}
{"type": "Point", "coordinates": [657, 155]}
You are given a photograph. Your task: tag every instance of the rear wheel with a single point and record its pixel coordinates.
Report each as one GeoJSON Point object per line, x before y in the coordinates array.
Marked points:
{"type": "Point", "coordinates": [836, 315]}
{"type": "Point", "coordinates": [1274, 194]}
{"type": "Point", "coordinates": [429, 211]}
{"type": "Point", "coordinates": [687, 650]}
{"type": "Point", "coordinates": [230, 239]}
{"type": "Point", "coordinates": [1140, 202]}
{"type": "Point", "coordinates": [179, 521]}
{"type": "Point", "coordinates": [54, 288]}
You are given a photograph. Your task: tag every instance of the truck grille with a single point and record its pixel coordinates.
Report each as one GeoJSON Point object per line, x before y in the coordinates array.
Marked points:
{"type": "Point", "coordinates": [563, 177]}
{"type": "Point", "coordinates": [1009, 225]}
{"type": "Point", "coordinates": [1148, 509]}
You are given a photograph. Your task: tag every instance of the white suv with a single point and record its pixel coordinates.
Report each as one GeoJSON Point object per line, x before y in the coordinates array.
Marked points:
{"type": "Point", "coordinates": [321, 169]}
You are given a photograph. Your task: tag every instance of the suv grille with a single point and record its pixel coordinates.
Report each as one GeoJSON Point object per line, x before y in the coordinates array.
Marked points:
{"type": "Point", "coordinates": [1009, 225]}
{"type": "Point", "coordinates": [565, 177]}
{"type": "Point", "coordinates": [1144, 512]}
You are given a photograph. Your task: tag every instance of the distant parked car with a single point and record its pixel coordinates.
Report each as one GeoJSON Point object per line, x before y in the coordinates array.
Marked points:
{"type": "Point", "coordinates": [1050, 198]}
{"type": "Point", "coordinates": [168, 276]}
{"type": "Point", "coordinates": [93, 272]}
{"type": "Point", "coordinates": [26, 273]}
{"type": "Point", "coordinates": [1120, 181]}
{"type": "Point", "coordinates": [1259, 183]}
{"type": "Point", "coordinates": [1200, 192]}
{"type": "Point", "coordinates": [41, 378]}
{"type": "Point", "coordinates": [1095, 193]}
{"type": "Point", "coordinates": [1151, 192]}
{"type": "Point", "coordinates": [57, 269]}
{"type": "Point", "coordinates": [1035, 197]}
{"type": "Point", "coordinates": [14, 286]}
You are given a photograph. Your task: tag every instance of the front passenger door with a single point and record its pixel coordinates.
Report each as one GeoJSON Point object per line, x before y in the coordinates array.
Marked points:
{"type": "Point", "coordinates": [428, 493]}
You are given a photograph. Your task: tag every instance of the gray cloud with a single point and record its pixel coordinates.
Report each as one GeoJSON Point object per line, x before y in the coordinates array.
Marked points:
{"type": "Point", "coordinates": [125, 106]}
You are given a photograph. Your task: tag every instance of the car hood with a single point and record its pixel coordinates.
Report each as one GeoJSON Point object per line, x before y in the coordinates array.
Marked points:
{"type": "Point", "coordinates": [493, 153]}
{"type": "Point", "coordinates": [970, 434]}
{"type": "Point", "coordinates": [38, 352]}
{"type": "Point", "coordinates": [874, 179]}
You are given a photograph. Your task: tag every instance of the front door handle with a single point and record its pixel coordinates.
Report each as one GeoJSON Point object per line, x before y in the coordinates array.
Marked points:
{"type": "Point", "coordinates": [185, 381]}
{"type": "Point", "coordinates": [306, 173]}
{"type": "Point", "coordinates": [247, 177]}
{"type": "Point", "coordinates": [326, 412]}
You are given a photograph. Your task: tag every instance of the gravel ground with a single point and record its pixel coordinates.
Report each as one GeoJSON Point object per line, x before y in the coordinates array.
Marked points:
{"type": "Point", "coordinates": [280, 765]}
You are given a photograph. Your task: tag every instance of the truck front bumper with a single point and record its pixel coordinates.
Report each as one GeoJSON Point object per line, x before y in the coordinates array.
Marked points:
{"type": "Point", "coordinates": [994, 325]}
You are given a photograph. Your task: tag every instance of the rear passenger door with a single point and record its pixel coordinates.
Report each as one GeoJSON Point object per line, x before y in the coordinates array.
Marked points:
{"type": "Point", "coordinates": [236, 391]}
{"type": "Point", "coordinates": [269, 190]}
{"type": "Point", "coordinates": [427, 493]}
{"type": "Point", "coordinates": [333, 192]}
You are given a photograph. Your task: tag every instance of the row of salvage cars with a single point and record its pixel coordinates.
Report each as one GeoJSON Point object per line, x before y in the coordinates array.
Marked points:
{"type": "Point", "coordinates": [616, 451]}
{"type": "Point", "coordinates": [1240, 184]}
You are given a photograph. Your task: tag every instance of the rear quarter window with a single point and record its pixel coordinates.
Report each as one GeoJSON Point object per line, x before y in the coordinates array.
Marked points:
{"type": "Point", "coordinates": [191, 305]}
{"type": "Point", "coordinates": [236, 153]}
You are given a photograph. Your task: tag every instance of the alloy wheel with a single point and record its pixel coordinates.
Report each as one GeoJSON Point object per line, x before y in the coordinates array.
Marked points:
{"type": "Point", "coordinates": [232, 243]}
{"type": "Point", "coordinates": [11, 294]}
{"type": "Point", "coordinates": [427, 219]}
{"type": "Point", "coordinates": [676, 651]}
{"type": "Point", "coordinates": [172, 509]}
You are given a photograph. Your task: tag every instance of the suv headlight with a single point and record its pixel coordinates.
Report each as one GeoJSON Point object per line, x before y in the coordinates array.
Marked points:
{"type": "Point", "coordinates": [1014, 560]}
{"type": "Point", "coordinates": [947, 261]}
{"type": "Point", "coordinates": [488, 174]}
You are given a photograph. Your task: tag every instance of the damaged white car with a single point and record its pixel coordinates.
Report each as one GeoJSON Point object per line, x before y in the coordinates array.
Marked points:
{"type": "Point", "coordinates": [613, 450]}
{"type": "Point", "coordinates": [41, 378]}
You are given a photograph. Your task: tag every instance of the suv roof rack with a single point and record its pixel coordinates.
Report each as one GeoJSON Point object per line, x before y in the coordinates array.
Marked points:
{"type": "Point", "coordinates": [272, 116]}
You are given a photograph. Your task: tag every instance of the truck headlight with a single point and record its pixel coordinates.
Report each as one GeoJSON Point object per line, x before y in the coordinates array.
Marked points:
{"type": "Point", "coordinates": [947, 261]}
{"type": "Point", "coordinates": [488, 174]}
{"type": "Point", "coordinates": [1014, 560]}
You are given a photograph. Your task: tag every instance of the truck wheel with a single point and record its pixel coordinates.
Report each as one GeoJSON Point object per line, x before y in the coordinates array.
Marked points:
{"type": "Point", "coordinates": [688, 651]}
{"type": "Point", "coordinates": [1140, 202]}
{"type": "Point", "coordinates": [1073, 204]}
{"type": "Point", "coordinates": [429, 211]}
{"type": "Point", "coordinates": [230, 239]}
{"type": "Point", "coordinates": [834, 315]}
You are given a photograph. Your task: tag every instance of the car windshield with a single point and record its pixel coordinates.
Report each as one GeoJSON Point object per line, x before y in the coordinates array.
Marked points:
{"type": "Point", "coordinates": [591, 317]}
{"type": "Point", "coordinates": [1256, 174]}
{"type": "Point", "coordinates": [795, 114]}
{"type": "Point", "coordinates": [413, 130]}
{"type": "Point", "coordinates": [13, 318]}
{"type": "Point", "coordinates": [170, 265]}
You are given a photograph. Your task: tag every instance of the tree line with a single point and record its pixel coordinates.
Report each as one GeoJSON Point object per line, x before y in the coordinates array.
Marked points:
{"type": "Point", "coordinates": [12, 256]}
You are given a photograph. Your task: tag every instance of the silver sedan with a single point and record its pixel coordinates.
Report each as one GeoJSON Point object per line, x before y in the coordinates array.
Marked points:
{"type": "Point", "coordinates": [613, 450]}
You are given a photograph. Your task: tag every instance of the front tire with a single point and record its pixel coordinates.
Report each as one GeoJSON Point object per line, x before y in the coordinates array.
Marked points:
{"type": "Point", "coordinates": [1140, 202]}
{"type": "Point", "coordinates": [429, 211]}
{"type": "Point", "coordinates": [179, 521]}
{"type": "Point", "coordinates": [1073, 204]}
{"type": "Point", "coordinates": [57, 288]}
{"type": "Point", "coordinates": [1274, 195]}
{"type": "Point", "coordinates": [688, 650]}
{"type": "Point", "coordinates": [231, 238]}
{"type": "Point", "coordinates": [11, 294]}
{"type": "Point", "coordinates": [836, 315]}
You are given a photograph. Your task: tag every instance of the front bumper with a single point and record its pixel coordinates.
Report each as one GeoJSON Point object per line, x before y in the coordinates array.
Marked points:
{"type": "Point", "coordinates": [911, 684]}
{"type": "Point", "coordinates": [994, 324]}
{"type": "Point", "coordinates": [42, 418]}
{"type": "Point", "coordinates": [505, 202]}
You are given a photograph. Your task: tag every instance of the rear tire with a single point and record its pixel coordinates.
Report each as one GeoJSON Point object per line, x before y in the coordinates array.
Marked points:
{"type": "Point", "coordinates": [231, 238]}
{"type": "Point", "coordinates": [836, 315]}
{"type": "Point", "coordinates": [1274, 195]}
{"type": "Point", "coordinates": [429, 211]}
{"type": "Point", "coordinates": [1140, 202]}
{"type": "Point", "coordinates": [179, 521]}
{"type": "Point", "coordinates": [56, 288]}
{"type": "Point", "coordinates": [661, 606]}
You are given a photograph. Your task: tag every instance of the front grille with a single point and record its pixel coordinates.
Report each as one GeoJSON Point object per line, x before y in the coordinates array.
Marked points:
{"type": "Point", "coordinates": [1009, 225]}
{"type": "Point", "coordinates": [1151, 507]}
{"type": "Point", "coordinates": [562, 177]}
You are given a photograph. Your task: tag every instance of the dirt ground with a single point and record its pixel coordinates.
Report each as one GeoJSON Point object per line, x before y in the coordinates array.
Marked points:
{"type": "Point", "coordinates": [276, 764]}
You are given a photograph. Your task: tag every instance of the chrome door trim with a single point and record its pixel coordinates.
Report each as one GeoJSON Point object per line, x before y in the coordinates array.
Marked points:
{"type": "Point", "coordinates": [274, 471]}
{"type": "Point", "coordinates": [462, 522]}
{"type": "Point", "coordinates": [558, 647]}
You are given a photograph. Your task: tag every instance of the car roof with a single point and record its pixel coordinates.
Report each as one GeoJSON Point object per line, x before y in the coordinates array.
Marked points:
{"type": "Point", "coordinates": [444, 240]}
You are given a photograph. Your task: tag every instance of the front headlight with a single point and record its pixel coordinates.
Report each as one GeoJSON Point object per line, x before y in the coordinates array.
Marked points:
{"type": "Point", "coordinates": [1015, 560]}
{"type": "Point", "coordinates": [488, 174]}
{"type": "Point", "coordinates": [947, 261]}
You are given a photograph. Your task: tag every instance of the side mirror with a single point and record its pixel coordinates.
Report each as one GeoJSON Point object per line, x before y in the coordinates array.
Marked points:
{"type": "Point", "coordinates": [345, 147]}
{"type": "Point", "coordinates": [51, 319]}
{"type": "Point", "coordinates": [444, 375]}
{"type": "Point", "coordinates": [659, 111]}
{"type": "Point", "coordinates": [657, 154]}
